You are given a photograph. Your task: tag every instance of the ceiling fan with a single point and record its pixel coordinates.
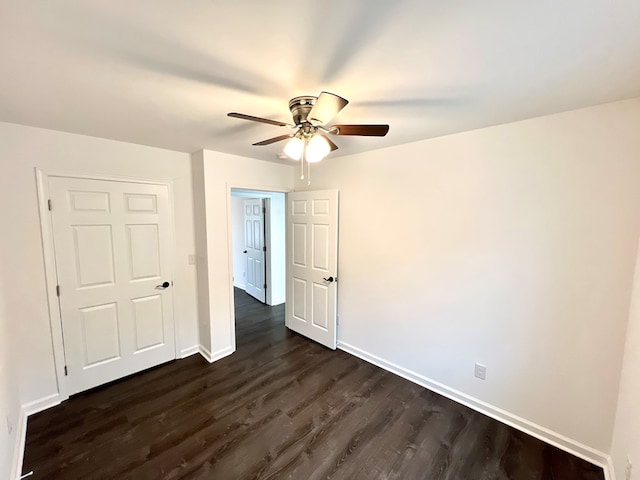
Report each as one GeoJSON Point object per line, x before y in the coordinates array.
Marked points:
{"type": "Point", "coordinates": [309, 141]}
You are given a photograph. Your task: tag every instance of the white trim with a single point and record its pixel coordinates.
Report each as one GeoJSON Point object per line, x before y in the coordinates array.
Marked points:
{"type": "Point", "coordinates": [257, 189]}
{"type": "Point", "coordinates": [46, 229]}
{"type": "Point", "coordinates": [28, 409]}
{"type": "Point", "coordinates": [212, 357]}
{"type": "Point", "coordinates": [187, 352]}
{"type": "Point", "coordinates": [268, 268]}
{"type": "Point", "coordinates": [542, 433]}
{"type": "Point", "coordinates": [232, 311]}
{"type": "Point", "coordinates": [610, 471]}
{"type": "Point", "coordinates": [51, 276]}
{"type": "Point", "coordinates": [37, 406]}
{"type": "Point", "coordinates": [241, 286]}
{"type": "Point", "coordinates": [19, 447]}
{"type": "Point", "coordinates": [204, 351]}
{"type": "Point", "coordinates": [174, 265]}
{"type": "Point", "coordinates": [98, 176]}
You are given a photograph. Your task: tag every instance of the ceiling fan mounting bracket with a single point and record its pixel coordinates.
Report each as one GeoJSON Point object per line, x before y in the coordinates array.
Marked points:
{"type": "Point", "coordinates": [300, 108]}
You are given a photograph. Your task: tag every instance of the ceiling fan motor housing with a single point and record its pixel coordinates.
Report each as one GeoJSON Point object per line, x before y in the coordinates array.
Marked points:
{"type": "Point", "coordinates": [300, 108]}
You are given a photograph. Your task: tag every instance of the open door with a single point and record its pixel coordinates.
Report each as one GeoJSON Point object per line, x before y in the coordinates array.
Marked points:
{"type": "Point", "coordinates": [255, 248]}
{"type": "Point", "coordinates": [312, 265]}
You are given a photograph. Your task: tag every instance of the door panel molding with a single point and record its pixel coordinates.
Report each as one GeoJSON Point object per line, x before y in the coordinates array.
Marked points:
{"type": "Point", "coordinates": [312, 265]}
{"type": "Point", "coordinates": [50, 271]}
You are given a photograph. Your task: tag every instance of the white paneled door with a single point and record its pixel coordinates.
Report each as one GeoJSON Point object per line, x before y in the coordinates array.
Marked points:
{"type": "Point", "coordinates": [113, 259]}
{"type": "Point", "coordinates": [255, 248]}
{"type": "Point", "coordinates": [312, 264]}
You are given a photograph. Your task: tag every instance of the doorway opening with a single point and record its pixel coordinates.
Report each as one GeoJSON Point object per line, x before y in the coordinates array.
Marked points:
{"type": "Point", "coordinates": [258, 245]}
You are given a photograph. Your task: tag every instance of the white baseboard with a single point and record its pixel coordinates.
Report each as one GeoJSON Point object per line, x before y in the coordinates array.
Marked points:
{"type": "Point", "coordinates": [241, 286]}
{"type": "Point", "coordinates": [187, 352]}
{"type": "Point", "coordinates": [217, 355]}
{"type": "Point", "coordinates": [28, 409]}
{"type": "Point", "coordinates": [52, 400]}
{"type": "Point", "coordinates": [204, 351]}
{"type": "Point", "coordinates": [20, 442]}
{"type": "Point", "coordinates": [575, 448]}
{"type": "Point", "coordinates": [610, 471]}
{"type": "Point", "coordinates": [49, 401]}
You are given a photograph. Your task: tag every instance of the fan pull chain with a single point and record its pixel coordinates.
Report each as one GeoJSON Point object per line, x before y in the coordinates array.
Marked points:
{"type": "Point", "coordinates": [308, 173]}
{"type": "Point", "coordinates": [302, 166]}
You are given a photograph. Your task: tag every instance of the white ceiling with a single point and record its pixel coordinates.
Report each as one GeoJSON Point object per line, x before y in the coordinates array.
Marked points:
{"type": "Point", "coordinates": [165, 73]}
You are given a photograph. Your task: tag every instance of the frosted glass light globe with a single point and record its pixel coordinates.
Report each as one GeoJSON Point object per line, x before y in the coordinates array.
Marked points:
{"type": "Point", "coordinates": [317, 149]}
{"type": "Point", "coordinates": [294, 147]}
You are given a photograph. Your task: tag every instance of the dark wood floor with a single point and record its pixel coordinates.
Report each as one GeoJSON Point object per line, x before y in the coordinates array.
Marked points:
{"type": "Point", "coordinates": [281, 407]}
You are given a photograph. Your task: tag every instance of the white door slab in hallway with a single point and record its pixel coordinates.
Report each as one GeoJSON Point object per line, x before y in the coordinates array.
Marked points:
{"type": "Point", "coordinates": [312, 265]}
{"type": "Point", "coordinates": [255, 248]}
{"type": "Point", "coordinates": [112, 245]}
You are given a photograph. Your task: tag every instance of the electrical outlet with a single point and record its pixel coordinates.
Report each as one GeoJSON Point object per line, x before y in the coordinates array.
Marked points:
{"type": "Point", "coordinates": [191, 259]}
{"type": "Point", "coordinates": [627, 471]}
{"type": "Point", "coordinates": [481, 371]}
{"type": "Point", "coordinates": [9, 425]}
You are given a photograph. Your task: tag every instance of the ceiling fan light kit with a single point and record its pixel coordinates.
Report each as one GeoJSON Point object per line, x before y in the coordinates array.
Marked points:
{"type": "Point", "coordinates": [294, 148]}
{"type": "Point", "coordinates": [317, 148]}
{"type": "Point", "coordinates": [310, 115]}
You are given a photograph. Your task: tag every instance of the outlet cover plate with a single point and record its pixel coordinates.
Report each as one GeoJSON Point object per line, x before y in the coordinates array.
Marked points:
{"type": "Point", "coordinates": [480, 371]}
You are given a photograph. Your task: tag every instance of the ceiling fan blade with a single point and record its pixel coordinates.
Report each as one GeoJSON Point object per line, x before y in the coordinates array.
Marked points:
{"type": "Point", "coordinates": [258, 119]}
{"type": "Point", "coordinates": [273, 140]}
{"type": "Point", "coordinates": [326, 107]}
{"type": "Point", "coordinates": [363, 130]}
{"type": "Point", "coordinates": [331, 144]}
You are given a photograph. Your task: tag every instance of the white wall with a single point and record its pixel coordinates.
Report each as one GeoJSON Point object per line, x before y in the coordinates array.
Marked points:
{"type": "Point", "coordinates": [512, 246]}
{"type": "Point", "coordinates": [199, 197]}
{"type": "Point", "coordinates": [21, 150]}
{"type": "Point", "coordinates": [9, 394]}
{"type": "Point", "coordinates": [220, 173]}
{"type": "Point", "coordinates": [626, 435]}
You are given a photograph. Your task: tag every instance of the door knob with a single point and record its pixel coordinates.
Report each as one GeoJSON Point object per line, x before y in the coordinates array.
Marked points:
{"type": "Point", "coordinates": [330, 279]}
{"type": "Point", "coordinates": [163, 285]}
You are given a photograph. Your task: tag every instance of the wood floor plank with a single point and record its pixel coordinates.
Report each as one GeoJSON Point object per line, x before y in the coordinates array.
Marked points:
{"type": "Point", "coordinates": [280, 407]}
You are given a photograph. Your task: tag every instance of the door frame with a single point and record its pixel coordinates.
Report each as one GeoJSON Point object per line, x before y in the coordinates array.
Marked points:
{"type": "Point", "coordinates": [49, 257]}
{"type": "Point", "coordinates": [241, 186]}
